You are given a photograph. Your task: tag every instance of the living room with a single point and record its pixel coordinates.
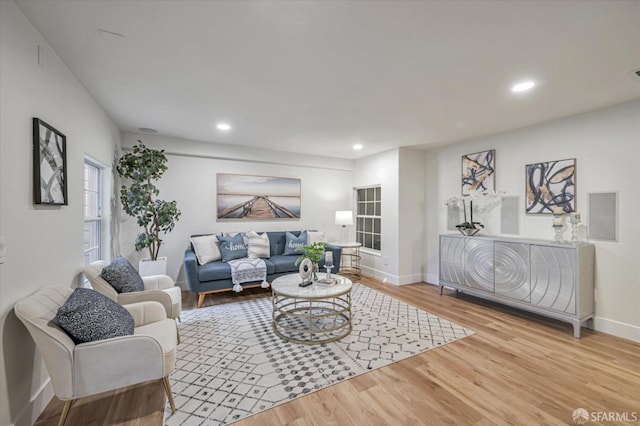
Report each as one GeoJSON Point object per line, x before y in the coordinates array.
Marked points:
{"type": "Point", "coordinates": [416, 176]}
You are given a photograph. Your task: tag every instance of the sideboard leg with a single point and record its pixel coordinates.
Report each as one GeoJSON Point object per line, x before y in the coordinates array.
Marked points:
{"type": "Point", "coordinates": [576, 327]}
{"type": "Point", "coordinates": [441, 288]}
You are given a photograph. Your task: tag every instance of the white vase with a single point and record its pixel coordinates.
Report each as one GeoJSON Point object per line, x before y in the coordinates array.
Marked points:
{"type": "Point", "coordinates": [148, 267]}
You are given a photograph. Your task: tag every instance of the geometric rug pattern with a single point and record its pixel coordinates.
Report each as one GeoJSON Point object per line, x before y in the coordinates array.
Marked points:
{"type": "Point", "coordinates": [231, 365]}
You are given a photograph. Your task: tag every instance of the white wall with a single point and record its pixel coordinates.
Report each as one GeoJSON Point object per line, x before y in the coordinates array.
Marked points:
{"type": "Point", "coordinates": [606, 145]}
{"type": "Point", "coordinates": [44, 244]}
{"type": "Point", "coordinates": [382, 169]}
{"type": "Point", "coordinates": [191, 181]}
{"type": "Point", "coordinates": [411, 213]}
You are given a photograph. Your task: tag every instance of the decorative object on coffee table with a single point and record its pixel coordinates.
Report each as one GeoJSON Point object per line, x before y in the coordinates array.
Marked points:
{"type": "Point", "coordinates": [314, 253]}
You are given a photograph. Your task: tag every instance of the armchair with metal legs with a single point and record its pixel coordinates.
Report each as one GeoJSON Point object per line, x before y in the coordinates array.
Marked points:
{"type": "Point", "coordinates": [84, 369]}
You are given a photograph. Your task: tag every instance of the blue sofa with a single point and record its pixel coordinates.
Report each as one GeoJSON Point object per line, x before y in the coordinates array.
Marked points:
{"type": "Point", "coordinates": [215, 276]}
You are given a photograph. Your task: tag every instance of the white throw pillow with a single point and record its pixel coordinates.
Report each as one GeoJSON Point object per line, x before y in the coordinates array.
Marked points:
{"type": "Point", "coordinates": [206, 248]}
{"type": "Point", "coordinates": [315, 237]}
{"type": "Point", "coordinates": [258, 245]}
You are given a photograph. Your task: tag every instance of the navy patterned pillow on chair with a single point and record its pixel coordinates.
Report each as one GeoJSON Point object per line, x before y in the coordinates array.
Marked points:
{"type": "Point", "coordinates": [88, 316]}
{"type": "Point", "coordinates": [122, 276]}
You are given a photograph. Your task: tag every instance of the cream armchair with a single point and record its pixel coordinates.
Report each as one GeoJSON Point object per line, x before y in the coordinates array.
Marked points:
{"type": "Point", "coordinates": [79, 370]}
{"type": "Point", "coordinates": [158, 288]}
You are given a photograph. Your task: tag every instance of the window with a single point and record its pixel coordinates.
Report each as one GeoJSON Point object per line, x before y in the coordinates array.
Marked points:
{"type": "Point", "coordinates": [92, 212]}
{"type": "Point", "coordinates": [368, 217]}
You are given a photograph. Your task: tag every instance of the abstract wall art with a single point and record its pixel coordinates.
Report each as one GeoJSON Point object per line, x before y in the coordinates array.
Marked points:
{"type": "Point", "coordinates": [246, 197]}
{"type": "Point", "coordinates": [49, 164]}
{"type": "Point", "coordinates": [549, 186]}
{"type": "Point", "coordinates": [478, 172]}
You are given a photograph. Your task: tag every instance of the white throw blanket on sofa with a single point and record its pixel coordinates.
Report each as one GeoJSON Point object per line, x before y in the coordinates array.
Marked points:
{"type": "Point", "coordinates": [247, 270]}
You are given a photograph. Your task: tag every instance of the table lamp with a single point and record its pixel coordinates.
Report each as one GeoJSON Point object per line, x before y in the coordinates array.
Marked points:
{"type": "Point", "coordinates": [344, 218]}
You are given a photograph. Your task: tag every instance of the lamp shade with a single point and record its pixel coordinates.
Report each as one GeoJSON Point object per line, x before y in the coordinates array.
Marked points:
{"type": "Point", "coordinates": [344, 217]}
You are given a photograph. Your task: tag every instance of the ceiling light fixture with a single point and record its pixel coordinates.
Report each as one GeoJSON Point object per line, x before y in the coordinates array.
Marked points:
{"type": "Point", "coordinates": [357, 146]}
{"type": "Point", "coordinates": [523, 87]}
{"type": "Point", "coordinates": [147, 130]}
{"type": "Point", "coordinates": [223, 127]}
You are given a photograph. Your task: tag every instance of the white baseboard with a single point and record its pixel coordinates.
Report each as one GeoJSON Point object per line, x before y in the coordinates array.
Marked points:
{"type": "Point", "coordinates": [620, 329]}
{"type": "Point", "coordinates": [431, 279]}
{"type": "Point", "coordinates": [36, 405]}
{"type": "Point", "coordinates": [410, 279]}
{"type": "Point", "coordinates": [380, 275]}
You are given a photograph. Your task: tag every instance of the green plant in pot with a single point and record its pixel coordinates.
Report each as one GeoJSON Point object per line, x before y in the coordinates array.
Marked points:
{"type": "Point", "coordinates": [142, 167]}
{"type": "Point", "coordinates": [314, 253]}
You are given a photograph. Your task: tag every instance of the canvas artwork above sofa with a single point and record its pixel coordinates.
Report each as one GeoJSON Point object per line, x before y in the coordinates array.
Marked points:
{"type": "Point", "coordinates": [206, 260]}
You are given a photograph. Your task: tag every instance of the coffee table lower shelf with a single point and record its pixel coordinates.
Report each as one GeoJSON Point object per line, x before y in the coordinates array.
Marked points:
{"type": "Point", "coordinates": [312, 322]}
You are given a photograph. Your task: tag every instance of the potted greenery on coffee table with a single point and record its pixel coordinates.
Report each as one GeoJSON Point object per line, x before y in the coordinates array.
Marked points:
{"type": "Point", "coordinates": [314, 253]}
{"type": "Point", "coordinates": [139, 198]}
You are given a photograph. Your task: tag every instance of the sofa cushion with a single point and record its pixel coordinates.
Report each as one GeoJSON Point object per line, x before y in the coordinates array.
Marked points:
{"type": "Point", "coordinates": [88, 316]}
{"type": "Point", "coordinates": [232, 247]}
{"type": "Point", "coordinates": [207, 248]}
{"type": "Point", "coordinates": [284, 263]}
{"type": "Point", "coordinates": [271, 267]}
{"type": "Point", "coordinates": [293, 243]}
{"type": "Point", "coordinates": [122, 276]}
{"type": "Point", "coordinates": [276, 242]}
{"type": "Point", "coordinates": [214, 271]}
{"type": "Point", "coordinates": [315, 237]}
{"type": "Point", "coordinates": [258, 245]}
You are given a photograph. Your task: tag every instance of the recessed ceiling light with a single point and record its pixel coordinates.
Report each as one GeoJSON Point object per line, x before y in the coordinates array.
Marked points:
{"type": "Point", "coordinates": [357, 146]}
{"type": "Point", "coordinates": [147, 130]}
{"type": "Point", "coordinates": [523, 86]}
{"type": "Point", "coordinates": [223, 127]}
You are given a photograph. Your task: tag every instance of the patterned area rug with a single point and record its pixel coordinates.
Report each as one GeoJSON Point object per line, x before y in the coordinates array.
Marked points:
{"type": "Point", "coordinates": [231, 365]}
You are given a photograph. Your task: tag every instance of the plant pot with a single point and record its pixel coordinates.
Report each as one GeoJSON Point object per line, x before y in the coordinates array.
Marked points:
{"type": "Point", "coordinates": [148, 267]}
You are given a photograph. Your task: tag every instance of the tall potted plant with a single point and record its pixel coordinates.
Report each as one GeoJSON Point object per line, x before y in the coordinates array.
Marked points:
{"type": "Point", "coordinates": [139, 199]}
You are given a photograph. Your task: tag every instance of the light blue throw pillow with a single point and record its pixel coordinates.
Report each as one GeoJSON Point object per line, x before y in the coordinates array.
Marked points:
{"type": "Point", "coordinates": [293, 243]}
{"type": "Point", "coordinates": [232, 247]}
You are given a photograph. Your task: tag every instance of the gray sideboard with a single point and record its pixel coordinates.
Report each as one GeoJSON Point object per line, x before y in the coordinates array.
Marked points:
{"type": "Point", "coordinates": [551, 279]}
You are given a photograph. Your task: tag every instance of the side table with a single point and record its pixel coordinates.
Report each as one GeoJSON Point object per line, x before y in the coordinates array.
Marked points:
{"type": "Point", "coordinates": [350, 259]}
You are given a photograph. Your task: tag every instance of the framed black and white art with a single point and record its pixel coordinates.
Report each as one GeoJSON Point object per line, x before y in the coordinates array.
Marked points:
{"type": "Point", "coordinates": [49, 164]}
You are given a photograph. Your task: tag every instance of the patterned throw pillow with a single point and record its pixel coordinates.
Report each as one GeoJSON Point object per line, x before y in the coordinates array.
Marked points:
{"type": "Point", "coordinates": [122, 276]}
{"type": "Point", "coordinates": [293, 243]}
{"type": "Point", "coordinates": [206, 248]}
{"type": "Point", "coordinates": [232, 247]}
{"type": "Point", "coordinates": [258, 245]}
{"type": "Point", "coordinates": [88, 316]}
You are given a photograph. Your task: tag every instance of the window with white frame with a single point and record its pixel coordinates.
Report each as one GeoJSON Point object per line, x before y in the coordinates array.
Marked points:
{"type": "Point", "coordinates": [92, 212]}
{"type": "Point", "coordinates": [369, 217]}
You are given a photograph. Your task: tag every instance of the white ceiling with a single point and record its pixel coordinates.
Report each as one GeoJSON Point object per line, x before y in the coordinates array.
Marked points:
{"type": "Point", "coordinates": [319, 76]}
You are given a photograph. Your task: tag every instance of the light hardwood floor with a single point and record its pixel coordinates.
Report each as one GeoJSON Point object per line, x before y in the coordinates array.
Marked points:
{"type": "Point", "coordinates": [517, 369]}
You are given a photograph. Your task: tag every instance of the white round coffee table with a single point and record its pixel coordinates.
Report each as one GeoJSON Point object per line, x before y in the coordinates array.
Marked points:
{"type": "Point", "coordinates": [314, 314]}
